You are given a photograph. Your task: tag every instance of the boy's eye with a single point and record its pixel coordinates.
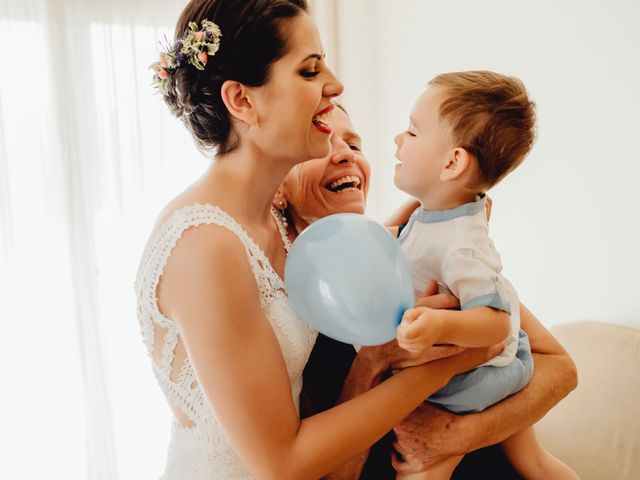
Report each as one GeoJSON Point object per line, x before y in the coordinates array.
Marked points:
{"type": "Point", "coordinates": [355, 148]}
{"type": "Point", "coordinates": [410, 133]}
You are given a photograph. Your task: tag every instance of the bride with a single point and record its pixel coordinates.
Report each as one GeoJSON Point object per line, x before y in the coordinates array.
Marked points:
{"type": "Point", "coordinates": [248, 79]}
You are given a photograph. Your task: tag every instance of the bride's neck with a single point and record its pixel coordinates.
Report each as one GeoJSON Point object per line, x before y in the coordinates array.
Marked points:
{"type": "Point", "coordinates": [244, 184]}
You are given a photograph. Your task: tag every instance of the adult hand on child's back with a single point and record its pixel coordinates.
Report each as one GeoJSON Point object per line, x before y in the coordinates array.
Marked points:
{"type": "Point", "coordinates": [487, 208]}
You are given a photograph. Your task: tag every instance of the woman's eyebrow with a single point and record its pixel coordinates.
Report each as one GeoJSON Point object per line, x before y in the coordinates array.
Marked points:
{"type": "Point", "coordinates": [317, 56]}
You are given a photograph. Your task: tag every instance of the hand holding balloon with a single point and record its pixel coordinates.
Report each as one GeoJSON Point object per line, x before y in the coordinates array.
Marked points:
{"type": "Point", "coordinates": [347, 277]}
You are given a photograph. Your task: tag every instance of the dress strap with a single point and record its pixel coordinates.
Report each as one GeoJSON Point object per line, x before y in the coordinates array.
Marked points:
{"type": "Point", "coordinates": [169, 234]}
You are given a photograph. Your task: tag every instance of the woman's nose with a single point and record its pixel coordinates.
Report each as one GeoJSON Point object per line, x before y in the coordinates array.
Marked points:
{"type": "Point", "coordinates": [332, 87]}
{"type": "Point", "coordinates": [343, 155]}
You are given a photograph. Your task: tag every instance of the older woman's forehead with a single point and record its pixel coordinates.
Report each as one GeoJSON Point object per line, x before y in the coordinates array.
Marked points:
{"type": "Point", "coordinates": [350, 134]}
{"type": "Point", "coordinates": [346, 128]}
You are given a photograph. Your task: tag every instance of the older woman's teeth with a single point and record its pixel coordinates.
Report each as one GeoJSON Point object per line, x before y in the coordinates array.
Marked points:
{"type": "Point", "coordinates": [349, 183]}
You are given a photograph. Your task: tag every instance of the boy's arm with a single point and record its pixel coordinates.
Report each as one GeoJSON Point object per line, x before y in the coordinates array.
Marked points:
{"type": "Point", "coordinates": [422, 327]}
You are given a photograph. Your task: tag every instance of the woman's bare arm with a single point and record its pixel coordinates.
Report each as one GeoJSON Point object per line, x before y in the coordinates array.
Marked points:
{"type": "Point", "coordinates": [365, 373]}
{"type": "Point", "coordinates": [430, 435]}
{"type": "Point", "coordinates": [209, 289]}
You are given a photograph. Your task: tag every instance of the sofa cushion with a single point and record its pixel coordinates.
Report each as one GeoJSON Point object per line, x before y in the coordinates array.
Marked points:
{"type": "Point", "coordinates": [596, 429]}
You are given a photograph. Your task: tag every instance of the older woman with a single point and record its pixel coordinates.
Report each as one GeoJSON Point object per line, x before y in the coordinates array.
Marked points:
{"type": "Point", "coordinates": [339, 183]}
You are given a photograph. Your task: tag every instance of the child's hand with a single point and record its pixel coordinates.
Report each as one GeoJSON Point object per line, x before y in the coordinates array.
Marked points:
{"type": "Point", "coordinates": [420, 329]}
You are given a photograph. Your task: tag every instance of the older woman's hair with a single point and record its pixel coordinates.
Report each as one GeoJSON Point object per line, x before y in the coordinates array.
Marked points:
{"type": "Point", "coordinates": [341, 107]}
{"type": "Point", "coordinates": [253, 38]}
{"type": "Point", "coordinates": [491, 116]}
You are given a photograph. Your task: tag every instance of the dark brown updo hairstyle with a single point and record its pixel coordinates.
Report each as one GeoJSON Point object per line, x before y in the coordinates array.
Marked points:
{"type": "Point", "coordinates": [252, 40]}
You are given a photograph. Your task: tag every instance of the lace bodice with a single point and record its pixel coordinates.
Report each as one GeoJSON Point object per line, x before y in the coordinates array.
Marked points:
{"type": "Point", "coordinates": [200, 450]}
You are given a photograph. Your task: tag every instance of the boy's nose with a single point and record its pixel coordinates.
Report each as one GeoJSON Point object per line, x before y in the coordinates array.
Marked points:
{"type": "Point", "coordinates": [397, 139]}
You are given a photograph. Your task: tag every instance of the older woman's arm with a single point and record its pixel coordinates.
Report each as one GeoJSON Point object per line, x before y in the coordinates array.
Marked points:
{"type": "Point", "coordinates": [402, 214]}
{"type": "Point", "coordinates": [430, 435]}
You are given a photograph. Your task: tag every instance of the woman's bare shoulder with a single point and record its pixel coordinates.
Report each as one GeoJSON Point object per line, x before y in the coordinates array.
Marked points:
{"type": "Point", "coordinates": [191, 196]}
{"type": "Point", "coordinates": [179, 202]}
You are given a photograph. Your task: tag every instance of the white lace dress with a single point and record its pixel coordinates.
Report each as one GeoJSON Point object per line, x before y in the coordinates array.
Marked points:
{"type": "Point", "coordinates": [201, 451]}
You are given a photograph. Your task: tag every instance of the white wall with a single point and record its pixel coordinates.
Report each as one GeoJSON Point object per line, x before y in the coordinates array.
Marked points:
{"type": "Point", "coordinates": [566, 222]}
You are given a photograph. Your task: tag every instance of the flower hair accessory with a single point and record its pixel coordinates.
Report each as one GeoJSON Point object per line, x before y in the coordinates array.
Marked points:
{"type": "Point", "coordinates": [195, 49]}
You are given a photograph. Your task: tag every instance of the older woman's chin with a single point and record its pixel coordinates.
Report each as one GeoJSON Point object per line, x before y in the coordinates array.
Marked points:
{"type": "Point", "coordinates": [358, 210]}
{"type": "Point", "coordinates": [346, 203]}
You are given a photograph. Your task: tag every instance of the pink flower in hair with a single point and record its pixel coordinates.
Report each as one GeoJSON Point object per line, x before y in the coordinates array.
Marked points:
{"type": "Point", "coordinates": [194, 48]}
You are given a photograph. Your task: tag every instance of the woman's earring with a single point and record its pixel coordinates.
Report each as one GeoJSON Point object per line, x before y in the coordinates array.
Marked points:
{"type": "Point", "coordinates": [284, 215]}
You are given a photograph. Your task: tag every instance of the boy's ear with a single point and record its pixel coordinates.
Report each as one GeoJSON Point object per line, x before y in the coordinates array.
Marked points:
{"type": "Point", "coordinates": [237, 99]}
{"type": "Point", "coordinates": [458, 163]}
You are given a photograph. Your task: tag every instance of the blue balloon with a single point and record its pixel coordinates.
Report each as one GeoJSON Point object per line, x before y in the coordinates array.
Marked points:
{"type": "Point", "coordinates": [348, 278]}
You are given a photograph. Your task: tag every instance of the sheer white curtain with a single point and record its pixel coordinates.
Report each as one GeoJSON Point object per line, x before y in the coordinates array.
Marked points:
{"type": "Point", "coordinates": [88, 155]}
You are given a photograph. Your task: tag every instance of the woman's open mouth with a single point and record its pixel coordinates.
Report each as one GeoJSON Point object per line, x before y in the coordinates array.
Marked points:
{"type": "Point", "coordinates": [349, 183]}
{"type": "Point", "coordinates": [319, 121]}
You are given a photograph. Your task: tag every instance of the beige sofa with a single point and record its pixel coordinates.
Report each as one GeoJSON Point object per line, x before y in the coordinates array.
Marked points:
{"type": "Point", "coordinates": [596, 429]}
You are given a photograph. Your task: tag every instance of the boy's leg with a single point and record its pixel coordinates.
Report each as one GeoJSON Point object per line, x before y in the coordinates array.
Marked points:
{"type": "Point", "coordinates": [488, 462]}
{"type": "Point", "coordinates": [532, 461]}
{"type": "Point", "coordinates": [442, 471]}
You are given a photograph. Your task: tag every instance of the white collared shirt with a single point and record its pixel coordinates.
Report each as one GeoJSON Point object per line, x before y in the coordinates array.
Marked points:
{"type": "Point", "coordinates": [453, 248]}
